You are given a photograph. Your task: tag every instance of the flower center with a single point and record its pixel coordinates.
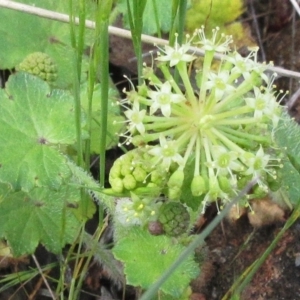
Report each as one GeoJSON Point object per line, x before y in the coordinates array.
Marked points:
{"type": "Point", "coordinates": [168, 152]}
{"type": "Point", "coordinates": [220, 84]}
{"type": "Point", "coordinates": [224, 160]}
{"type": "Point", "coordinates": [164, 98]}
{"type": "Point", "coordinates": [260, 104]}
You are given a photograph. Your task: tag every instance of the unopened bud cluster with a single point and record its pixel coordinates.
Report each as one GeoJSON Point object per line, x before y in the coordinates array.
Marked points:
{"type": "Point", "coordinates": [220, 120]}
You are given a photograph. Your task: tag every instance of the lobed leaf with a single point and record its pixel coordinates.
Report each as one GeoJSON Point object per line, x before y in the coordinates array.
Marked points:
{"type": "Point", "coordinates": [34, 124]}
{"type": "Point", "coordinates": [146, 257]}
{"type": "Point", "coordinates": [39, 216]}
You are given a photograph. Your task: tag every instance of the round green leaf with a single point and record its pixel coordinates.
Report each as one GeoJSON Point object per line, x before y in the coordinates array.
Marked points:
{"type": "Point", "coordinates": [40, 216]}
{"type": "Point", "coordinates": [146, 257]}
{"type": "Point", "coordinates": [34, 124]}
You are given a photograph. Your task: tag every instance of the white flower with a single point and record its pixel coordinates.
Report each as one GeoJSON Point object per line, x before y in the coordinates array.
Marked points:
{"type": "Point", "coordinates": [135, 117]}
{"type": "Point", "coordinates": [220, 83]}
{"type": "Point", "coordinates": [225, 161]}
{"type": "Point", "coordinates": [125, 213]}
{"type": "Point", "coordinates": [256, 163]}
{"type": "Point", "coordinates": [264, 104]}
{"type": "Point", "coordinates": [212, 44]}
{"type": "Point", "coordinates": [242, 65]}
{"type": "Point", "coordinates": [176, 54]}
{"type": "Point", "coordinates": [163, 99]}
{"type": "Point", "coordinates": [166, 153]}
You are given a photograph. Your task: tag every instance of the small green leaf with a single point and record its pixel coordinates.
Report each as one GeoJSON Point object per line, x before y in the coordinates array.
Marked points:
{"type": "Point", "coordinates": [35, 123]}
{"type": "Point", "coordinates": [40, 216]}
{"type": "Point", "coordinates": [146, 257]}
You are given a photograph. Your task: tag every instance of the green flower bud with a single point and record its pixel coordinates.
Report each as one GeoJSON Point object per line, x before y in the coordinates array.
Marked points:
{"type": "Point", "coordinates": [117, 185]}
{"type": "Point", "coordinates": [260, 191]}
{"type": "Point", "coordinates": [214, 188]}
{"type": "Point", "coordinates": [174, 193]}
{"type": "Point", "coordinates": [199, 186]}
{"type": "Point", "coordinates": [41, 65]}
{"type": "Point", "coordinates": [129, 182]}
{"type": "Point", "coordinates": [157, 177]}
{"type": "Point", "coordinates": [176, 179]}
{"type": "Point", "coordinates": [174, 218]}
{"type": "Point", "coordinates": [139, 174]}
{"type": "Point", "coordinates": [274, 180]}
{"type": "Point", "coordinates": [225, 184]}
{"type": "Point", "coordinates": [115, 170]}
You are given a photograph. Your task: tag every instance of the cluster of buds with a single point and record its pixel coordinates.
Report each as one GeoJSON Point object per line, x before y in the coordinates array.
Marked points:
{"type": "Point", "coordinates": [220, 120]}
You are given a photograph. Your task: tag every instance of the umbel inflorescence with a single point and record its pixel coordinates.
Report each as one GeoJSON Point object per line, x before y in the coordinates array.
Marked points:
{"type": "Point", "coordinates": [217, 121]}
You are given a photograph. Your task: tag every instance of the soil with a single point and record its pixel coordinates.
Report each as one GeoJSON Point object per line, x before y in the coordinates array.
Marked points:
{"type": "Point", "coordinates": [232, 246]}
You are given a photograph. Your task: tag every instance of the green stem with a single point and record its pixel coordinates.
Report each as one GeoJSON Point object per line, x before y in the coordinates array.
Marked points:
{"type": "Point", "coordinates": [248, 136]}
{"type": "Point", "coordinates": [206, 146]}
{"type": "Point", "coordinates": [182, 69]}
{"type": "Point", "coordinates": [102, 23]}
{"type": "Point", "coordinates": [233, 113]}
{"type": "Point", "coordinates": [189, 148]}
{"type": "Point", "coordinates": [241, 90]}
{"type": "Point", "coordinates": [227, 141]}
{"type": "Point", "coordinates": [197, 156]}
{"type": "Point", "coordinates": [168, 76]}
{"type": "Point", "coordinates": [76, 84]}
{"type": "Point", "coordinates": [161, 125]}
{"type": "Point", "coordinates": [154, 136]}
{"type": "Point", "coordinates": [208, 57]}
{"type": "Point", "coordinates": [135, 16]}
{"type": "Point", "coordinates": [236, 121]}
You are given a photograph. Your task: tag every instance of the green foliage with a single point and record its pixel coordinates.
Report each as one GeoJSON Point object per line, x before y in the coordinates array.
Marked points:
{"type": "Point", "coordinates": [153, 9]}
{"type": "Point", "coordinates": [287, 136]}
{"type": "Point", "coordinates": [22, 34]}
{"type": "Point", "coordinates": [146, 257]}
{"type": "Point", "coordinates": [39, 216]}
{"type": "Point", "coordinates": [35, 125]}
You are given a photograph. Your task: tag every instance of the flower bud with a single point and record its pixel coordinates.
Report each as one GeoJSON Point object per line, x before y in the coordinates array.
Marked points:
{"type": "Point", "coordinates": [260, 191]}
{"type": "Point", "coordinates": [116, 185]}
{"type": "Point", "coordinates": [225, 184]}
{"type": "Point", "coordinates": [274, 181]}
{"type": "Point", "coordinates": [115, 170]}
{"type": "Point", "coordinates": [174, 193]}
{"type": "Point", "coordinates": [199, 186]}
{"type": "Point", "coordinates": [176, 179]}
{"type": "Point", "coordinates": [214, 188]}
{"type": "Point", "coordinates": [139, 174]}
{"type": "Point", "coordinates": [129, 182]}
{"type": "Point", "coordinates": [156, 177]}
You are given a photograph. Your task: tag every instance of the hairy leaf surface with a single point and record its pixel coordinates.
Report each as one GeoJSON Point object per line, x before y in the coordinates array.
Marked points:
{"type": "Point", "coordinates": [35, 123]}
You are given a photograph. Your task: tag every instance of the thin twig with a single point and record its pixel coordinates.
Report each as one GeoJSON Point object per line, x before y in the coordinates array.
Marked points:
{"type": "Point", "coordinates": [296, 6]}
{"type": "Point", "coordinates": [44, 278]}
{"type": "Point", "coordinates": [256, 27]}
{"type": "Point", "coordinates": [44, 13]}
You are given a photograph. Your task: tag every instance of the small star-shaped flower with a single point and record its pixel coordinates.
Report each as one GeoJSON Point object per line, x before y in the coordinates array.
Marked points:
{"type": "Point", "coordinates": [163, 99]}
